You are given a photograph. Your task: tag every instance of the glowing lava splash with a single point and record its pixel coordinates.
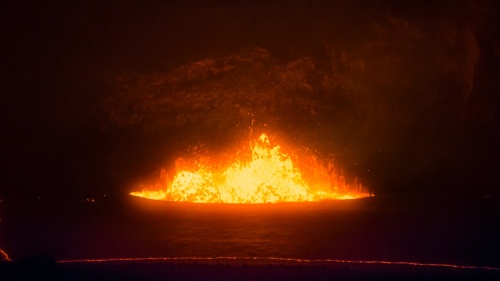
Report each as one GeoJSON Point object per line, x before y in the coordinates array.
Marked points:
{"type": "Point", "coordinates": [267, 176]}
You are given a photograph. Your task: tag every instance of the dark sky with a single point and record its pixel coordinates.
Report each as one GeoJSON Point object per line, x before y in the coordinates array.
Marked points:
{"type": "Point", "coordinates": [408, 92]}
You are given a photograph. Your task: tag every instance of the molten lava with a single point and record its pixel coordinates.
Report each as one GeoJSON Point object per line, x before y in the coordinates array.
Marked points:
{"type": "Point", "coordinates": [268, 176]}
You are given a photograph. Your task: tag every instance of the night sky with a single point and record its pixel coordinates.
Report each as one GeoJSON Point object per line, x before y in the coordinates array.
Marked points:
{"type": "Point", "coordinates": [96, 96]}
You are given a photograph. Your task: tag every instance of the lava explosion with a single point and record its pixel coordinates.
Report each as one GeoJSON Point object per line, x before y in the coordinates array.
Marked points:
{"type": "Point", "coordinates": [268, 176]}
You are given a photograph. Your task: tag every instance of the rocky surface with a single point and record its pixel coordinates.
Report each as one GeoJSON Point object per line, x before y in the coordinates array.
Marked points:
{"type": "Point", "coordinates": [404, 89]}
{"type": "Point", "coordinates": [401, 95]}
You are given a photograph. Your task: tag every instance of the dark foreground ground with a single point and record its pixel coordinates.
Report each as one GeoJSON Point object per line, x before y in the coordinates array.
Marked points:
{"type": "Point", "coordinates": [45, 240]}
{"type": "Point", "coordinates": [45, 269]}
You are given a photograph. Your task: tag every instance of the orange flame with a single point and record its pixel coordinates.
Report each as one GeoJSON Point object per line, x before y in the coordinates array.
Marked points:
{"type": "Point", "coordinates": [268, 177]}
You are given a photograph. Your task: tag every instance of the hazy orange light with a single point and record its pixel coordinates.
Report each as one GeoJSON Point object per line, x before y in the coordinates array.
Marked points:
{"type": "Point", "coordinates": [269, 176]}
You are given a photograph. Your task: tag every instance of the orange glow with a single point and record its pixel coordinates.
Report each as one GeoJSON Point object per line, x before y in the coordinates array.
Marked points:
{"type": "Point", "coordinates": [268, 176]}
{"type": "Point", "coordinates": [4, 256]}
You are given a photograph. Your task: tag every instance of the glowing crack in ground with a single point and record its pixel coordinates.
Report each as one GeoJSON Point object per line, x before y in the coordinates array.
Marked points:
{"type": "Point", "coordinates": [276, 260]}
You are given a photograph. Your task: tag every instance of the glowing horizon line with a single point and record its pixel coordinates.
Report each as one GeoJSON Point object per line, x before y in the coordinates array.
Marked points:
{"type": "Point", "coordinates": [296, 260]}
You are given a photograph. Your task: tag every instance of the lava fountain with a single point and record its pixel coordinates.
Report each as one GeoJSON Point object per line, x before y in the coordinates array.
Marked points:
{"type": "Point", "coordinates": [261, 173]}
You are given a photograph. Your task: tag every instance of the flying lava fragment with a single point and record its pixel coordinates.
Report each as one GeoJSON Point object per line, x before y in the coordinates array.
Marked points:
{"type": "Point", "coordinates": [268, 176]}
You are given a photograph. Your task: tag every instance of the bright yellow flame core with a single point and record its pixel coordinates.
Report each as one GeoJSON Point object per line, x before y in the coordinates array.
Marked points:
{"type": "Point", "coordinates": [269, 177]}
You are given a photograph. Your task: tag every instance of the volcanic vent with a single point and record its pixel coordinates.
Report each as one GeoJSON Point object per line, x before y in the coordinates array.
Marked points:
{"type": "Point", "coordinates": [227, 105]}
{"type": "Point", "coordinates": [266, 175]}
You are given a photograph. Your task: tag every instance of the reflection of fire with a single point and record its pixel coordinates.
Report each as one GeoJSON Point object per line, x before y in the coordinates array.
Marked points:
{"type": "Point", "coordinates": [268, 176]}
